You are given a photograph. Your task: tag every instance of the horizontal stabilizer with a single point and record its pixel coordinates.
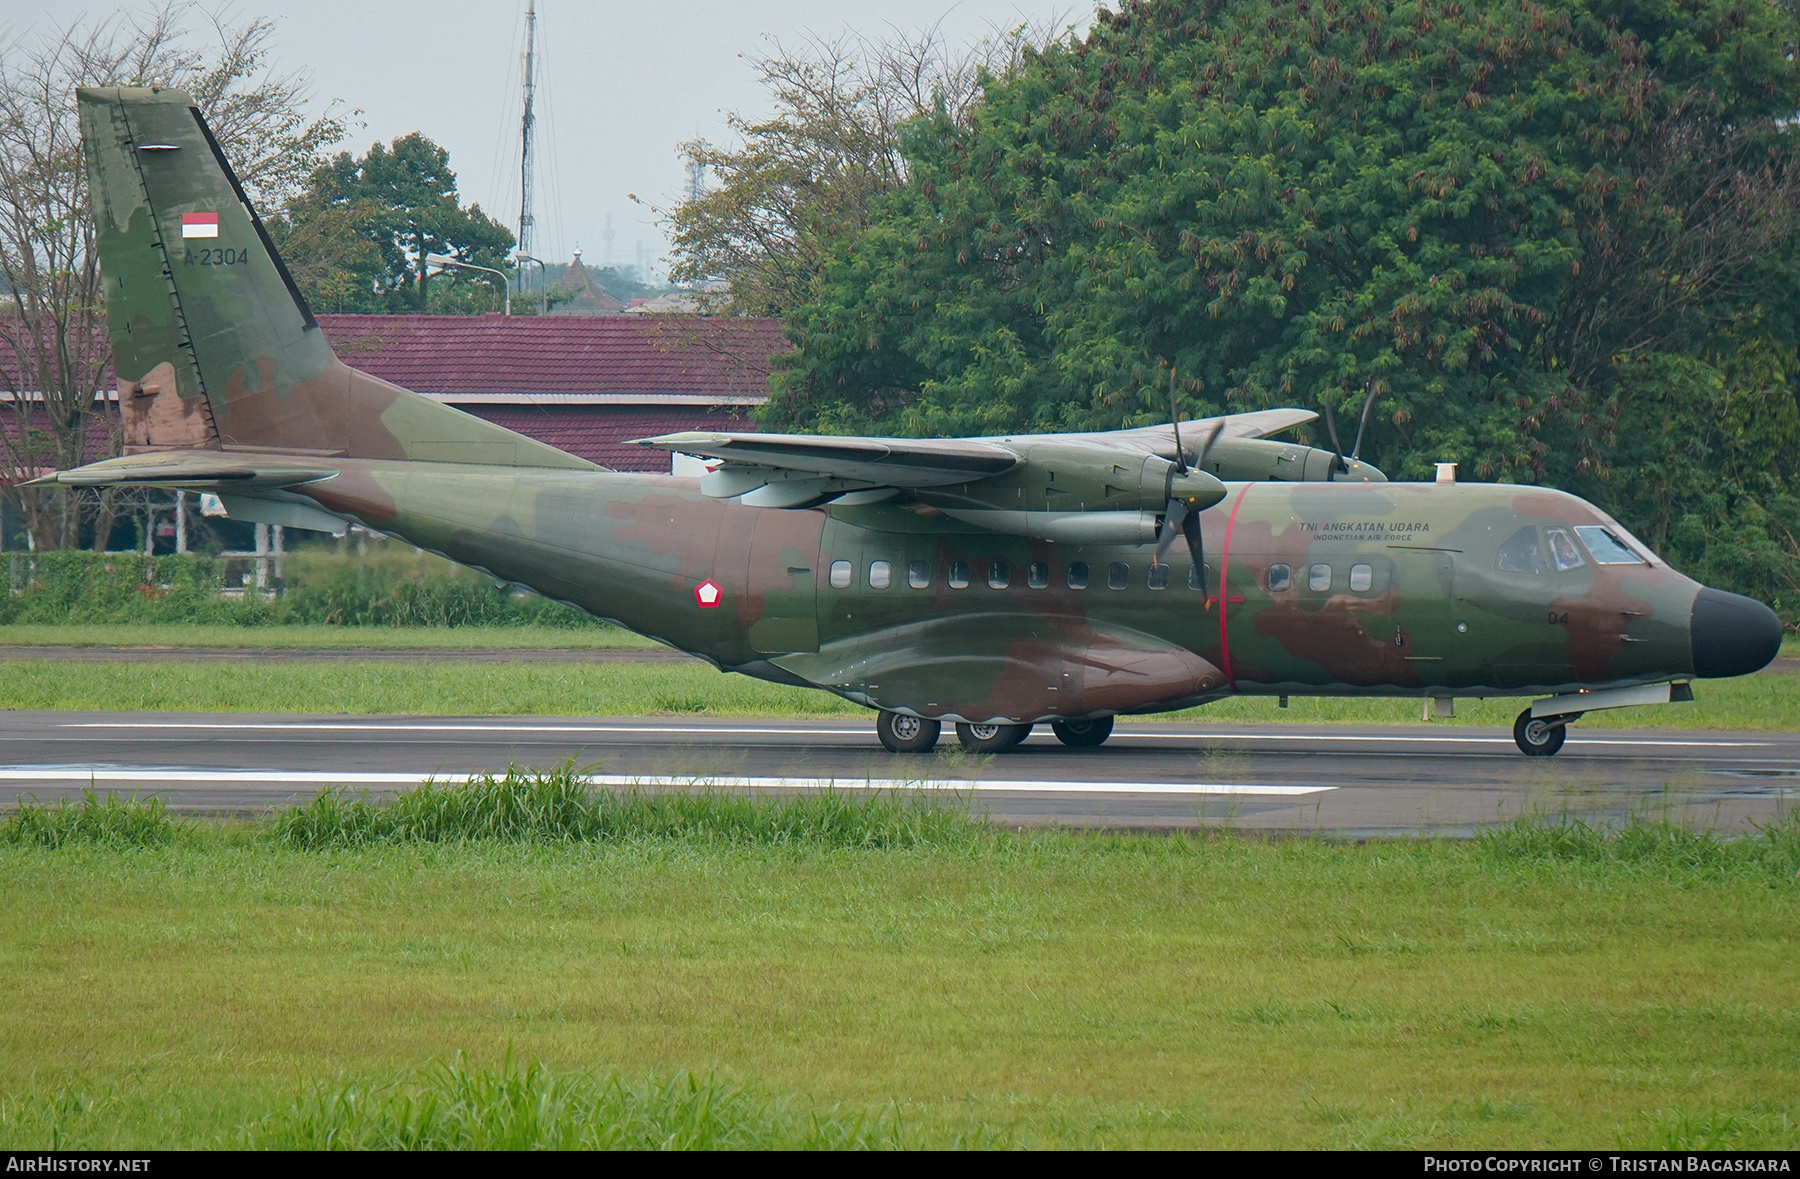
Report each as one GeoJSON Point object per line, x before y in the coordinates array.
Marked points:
{"type": "Point", "coordinates": [206, 470]}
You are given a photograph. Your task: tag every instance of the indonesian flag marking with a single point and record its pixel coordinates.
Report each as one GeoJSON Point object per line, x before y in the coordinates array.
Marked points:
{"type": "Point", "coordinates": [708, 594]}
{"type": "Point", "coordinates": [199, 225]}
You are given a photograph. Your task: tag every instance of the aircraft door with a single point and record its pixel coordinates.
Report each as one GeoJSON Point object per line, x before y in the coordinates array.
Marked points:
{"type": "Point", "coordinates": [784, 582]}
{"type": "Point", "coordinates": [1427, 613]}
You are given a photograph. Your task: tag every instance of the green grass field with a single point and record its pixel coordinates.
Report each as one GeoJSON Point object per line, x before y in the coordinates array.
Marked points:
{"type": "Point", "coordinates": [336, 638]}
{"type": "Point", "coordinates": [448, 638]}
{"type": "Point", "coordinates": [1761, 703]}
{"type": "Point", "coordinates": [732, 972]}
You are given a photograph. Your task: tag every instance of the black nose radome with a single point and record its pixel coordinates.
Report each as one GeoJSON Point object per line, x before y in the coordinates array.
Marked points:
{"type": "Point", "coordinates": [1732, 634]}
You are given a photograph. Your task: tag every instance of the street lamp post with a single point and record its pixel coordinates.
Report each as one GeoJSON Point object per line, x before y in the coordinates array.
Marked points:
{"type": "Point", "coordinates": [447, 260]}
{"type": "Point", "coordinates": [543, 283]}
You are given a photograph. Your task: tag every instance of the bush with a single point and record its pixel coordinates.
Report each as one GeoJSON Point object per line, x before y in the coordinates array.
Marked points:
{"type": "Point", "coordinates": [380, 590]}
{"type": "Point", "coordinates": [560, 806]}
{"type": "Point", "coordinates": [112, 821]}
{"type": "Point", "coordinates": [459, 1107]}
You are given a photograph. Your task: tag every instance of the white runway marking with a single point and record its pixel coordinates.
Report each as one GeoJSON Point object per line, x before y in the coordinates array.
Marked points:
{"type": "Point", "coordinates": [775, 731]}
{"type": "Point", "coordinates": [106, 775]}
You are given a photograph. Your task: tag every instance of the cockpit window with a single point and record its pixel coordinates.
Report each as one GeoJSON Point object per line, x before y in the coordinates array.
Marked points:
{"type": "Point", "coordinates": [1562, 550]}
{"type": "Point", "coordinates": [1604, 547]}
{"type": "Point", "coordinates": [1521, 553]}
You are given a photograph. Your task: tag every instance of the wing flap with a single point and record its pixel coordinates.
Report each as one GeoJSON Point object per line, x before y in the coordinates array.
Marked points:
{"type": "Point", "coordinates": [871, 462]}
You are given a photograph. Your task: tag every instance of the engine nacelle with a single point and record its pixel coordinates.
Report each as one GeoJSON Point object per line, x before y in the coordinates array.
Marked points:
{"type": "Point", "coordinates": [1064, 478]}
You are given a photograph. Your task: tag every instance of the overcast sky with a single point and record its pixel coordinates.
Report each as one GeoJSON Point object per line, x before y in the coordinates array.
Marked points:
{"type": "Point", "coordinates": [620, 85]}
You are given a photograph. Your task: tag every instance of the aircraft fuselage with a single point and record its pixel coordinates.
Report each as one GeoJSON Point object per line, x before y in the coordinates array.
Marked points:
{"type": "Point", "coordinates": [1329, 589]}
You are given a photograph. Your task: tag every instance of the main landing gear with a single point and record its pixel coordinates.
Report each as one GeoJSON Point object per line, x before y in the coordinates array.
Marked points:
{"type": "Point", "coordinates": [1541, 736]}
{"type": "Point", "coordinates": [990, 738]}
{"type": "Point", "coordinates": [906, 734]}
{"type": "Point", "coordinates": [901, 733]}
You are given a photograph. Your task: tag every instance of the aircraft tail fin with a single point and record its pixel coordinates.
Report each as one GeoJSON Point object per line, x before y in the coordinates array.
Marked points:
{"type": "Point", "coordinates": [214, 346]}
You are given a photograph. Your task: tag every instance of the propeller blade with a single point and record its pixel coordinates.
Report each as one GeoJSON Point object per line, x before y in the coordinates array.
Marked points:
{"type": "Point", "coordinates": [1337, 448]}
{"type": "Point", "coordinates": [1363, 425]}
{"type": "Point", "coordinates": [1218, 428]}
{"type": "Point", "coordinates": [1181, 467]}
{"type": "Point", "coordinates": [1173, 514]}
{"type": "Point", "coordinates": [1190, 528]}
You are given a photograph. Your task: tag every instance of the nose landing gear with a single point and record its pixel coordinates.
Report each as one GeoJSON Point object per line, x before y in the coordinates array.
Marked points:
{"type": "Point", "coordinates": [1541, 736]}
{"type": "Point", "coordinates": [1083, 734]}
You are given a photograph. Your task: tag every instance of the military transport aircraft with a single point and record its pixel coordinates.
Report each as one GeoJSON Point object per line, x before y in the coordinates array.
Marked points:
{"type": "Point", "coordinates": [993, 582]}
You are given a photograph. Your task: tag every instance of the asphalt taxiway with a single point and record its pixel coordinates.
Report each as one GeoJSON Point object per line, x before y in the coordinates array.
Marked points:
{"type": "Point", "coordinates": [1353, 780]}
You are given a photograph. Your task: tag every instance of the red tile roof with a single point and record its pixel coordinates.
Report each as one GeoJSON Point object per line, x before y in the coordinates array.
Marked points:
{"type": "Point", "coordinates": [599, 433]}
{"type": "Point", "coordinates": [691, 356]}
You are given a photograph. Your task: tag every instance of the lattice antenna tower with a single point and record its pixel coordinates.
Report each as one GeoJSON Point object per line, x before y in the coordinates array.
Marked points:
{"type": "Point", "coordinates": [526, 220]}
{"type": "Point", "coordinates": [696, 171]}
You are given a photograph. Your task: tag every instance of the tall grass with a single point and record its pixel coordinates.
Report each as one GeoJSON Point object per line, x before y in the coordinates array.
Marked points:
{"type": "Point", "coordinates": [560, 806]}
{"type": "Point", "coordinates": [1657, 846]}
{"type": "Point", "coordinates": [457, 1106]}
{"type": "Point", "coordinates": [112, 821]}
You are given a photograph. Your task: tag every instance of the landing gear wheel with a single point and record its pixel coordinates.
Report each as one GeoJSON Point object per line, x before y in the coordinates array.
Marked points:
{"type": "Point", "coordinates": [1083, 734]}
{"type": "Point", "coordinates": [906, 734]}
{"type": "Point", "coordinates": [1540, 736]}
{"type": "Point", "coordinates": [990, 738]}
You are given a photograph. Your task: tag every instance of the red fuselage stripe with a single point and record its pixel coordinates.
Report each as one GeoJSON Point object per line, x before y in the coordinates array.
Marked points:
{"type": "Point", "coordinates": [1224, 572]}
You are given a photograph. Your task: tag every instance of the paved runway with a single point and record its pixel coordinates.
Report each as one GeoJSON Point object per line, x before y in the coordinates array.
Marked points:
{"type": "Point", "coordinates": [1343, 779]}
{"type": "Point", "coordinates": [347, 655]}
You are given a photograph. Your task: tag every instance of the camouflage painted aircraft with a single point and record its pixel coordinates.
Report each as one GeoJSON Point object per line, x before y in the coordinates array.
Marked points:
{"type": "Point", "coordinates": [995, 583]}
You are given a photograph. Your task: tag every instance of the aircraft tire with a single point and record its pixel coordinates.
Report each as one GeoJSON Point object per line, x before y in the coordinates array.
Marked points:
{"type": "Point", "coordinates": [1083, 734]}
{"type": "Point", "coordinates": [990, 738]}
{"type": "Point", "coordinates": [906, 734]}
{"type": "Point", "coordinates": [1539, 737]}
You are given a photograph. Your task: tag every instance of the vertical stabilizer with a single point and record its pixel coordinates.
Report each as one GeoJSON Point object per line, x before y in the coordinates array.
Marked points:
{"type": "Point", "coordinates": [213, 344]}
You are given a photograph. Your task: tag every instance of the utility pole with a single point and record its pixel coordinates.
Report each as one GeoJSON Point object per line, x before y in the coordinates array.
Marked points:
{"type": "Point", "coordinates": [525, 218]}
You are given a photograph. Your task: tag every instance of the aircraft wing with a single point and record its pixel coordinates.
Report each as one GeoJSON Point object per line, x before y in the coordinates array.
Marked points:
{"type": "Point", "coordinates": [789, 470]}
{"type": "Point", "coordinates": [801, 470]}
{"type": "Point", "coordinates": [1257, 424]}
{"type": "Point", "coordinates": [195, 470]}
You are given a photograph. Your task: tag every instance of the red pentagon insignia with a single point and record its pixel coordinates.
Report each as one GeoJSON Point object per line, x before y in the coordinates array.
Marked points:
{"type": "Point", "coordinates": [708, 594]}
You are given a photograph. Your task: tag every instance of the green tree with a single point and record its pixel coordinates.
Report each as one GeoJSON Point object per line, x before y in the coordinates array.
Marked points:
{"type": "Point", "coordinates": [361, 231]}
{"type": "Point", "coordinates": [807, 174]}
{"type": "Point", "coordinates": [1516, 222]}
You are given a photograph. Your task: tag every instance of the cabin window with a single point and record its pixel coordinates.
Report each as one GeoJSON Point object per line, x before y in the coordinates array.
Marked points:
{"type": "Point", "coordinates": [1037, 575]}
{"type": "Point", "coordinates": [1159, 576]}
{"type": "Point", "coordinates": [1197, 576]}
{"type": "Point", "coordinates": [1280, 577]}
{"type": "Point", "coordinates": [918, 574]}
{"type": "Point", "coordinates": [999, 574]}
{"type": "Point", "coordinates": [1361, 578]}
{"type": "Point", "coordinates": [1521, 554]}
{"type": "Point", "coordinates": [1604, 547]}
{"type": "Point", "coordinates": [1078, 575]}
{"type": "Point", "coordinates": [1563, 553]}
{"type": "Point", "coordinates": [880, 574]}
{"type": "Point", "coordinates": [840, 575]}
{"type": "Point", "coordinates": [1118, 575]}
{"type": "Point", "coordinates": [959, 575]}
{"type": "Point", "coordinates": [1318, 578]}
